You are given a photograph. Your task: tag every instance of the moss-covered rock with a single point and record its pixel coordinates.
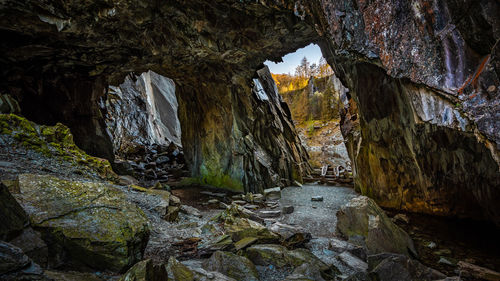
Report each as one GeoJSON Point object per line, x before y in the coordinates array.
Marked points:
{"type": "Point", "coordinates": [265, 254]}
{"type": "Point", "coordinates": [92, 222]}
{"type": "Point", "coordinates": [145, 270]}
{"type": "Point", "coordinates": [232, 265]}
{"type": "Point", "coordinates": [178, 272]}
{"type": "Point", "coordinates": [361, 216]}
{"type": "Point", "coordinates": [52, 141]}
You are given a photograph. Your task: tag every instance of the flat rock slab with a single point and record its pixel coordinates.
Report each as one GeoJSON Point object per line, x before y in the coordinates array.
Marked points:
{"type": "Point", "coordinates": [270, 214]}
{"type": "Point", "coordinates": [91, 221]}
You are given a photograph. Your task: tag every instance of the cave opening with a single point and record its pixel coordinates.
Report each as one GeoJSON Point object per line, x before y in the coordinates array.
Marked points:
{"type": "Point", "coordinates": [141, 118]}
{"type": "Point", "coordinates": [315, 95]}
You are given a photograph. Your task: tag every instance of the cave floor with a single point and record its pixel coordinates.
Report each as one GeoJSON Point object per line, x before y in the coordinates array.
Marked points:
{"type": "Point", "coordinates": [316, 217]}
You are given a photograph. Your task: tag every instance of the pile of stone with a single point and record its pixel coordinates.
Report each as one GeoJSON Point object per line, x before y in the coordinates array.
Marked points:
{"type": "Point", "coordinates": [149, 164]}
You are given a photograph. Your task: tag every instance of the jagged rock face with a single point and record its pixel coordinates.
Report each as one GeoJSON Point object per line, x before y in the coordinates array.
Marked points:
{"type": "Point", "coordinates": [210, 49]}
{"type": "Point", "coordinates": [421, 117]}
{"type": "Point", "coordinates": [142, 111]}
{"type": "Point", "coordinates": [423, 78]}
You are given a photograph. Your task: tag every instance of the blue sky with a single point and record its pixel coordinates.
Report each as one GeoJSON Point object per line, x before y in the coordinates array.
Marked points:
{"type": "Point", "coordinates": [312, 52]}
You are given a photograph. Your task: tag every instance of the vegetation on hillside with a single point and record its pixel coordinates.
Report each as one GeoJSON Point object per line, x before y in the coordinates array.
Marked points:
{"type": "Point", "coordinates": [309, 92]}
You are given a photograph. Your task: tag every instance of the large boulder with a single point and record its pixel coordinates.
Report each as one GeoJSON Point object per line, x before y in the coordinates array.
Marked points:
{"type": "Point", "coordinates": [232, 265]}
{"type": "Point", "coordinates": [362, 217]}
{"type": "Point", "coordinates": [91, 222]}
{"type": "Point", "coordinates": [13, 218]}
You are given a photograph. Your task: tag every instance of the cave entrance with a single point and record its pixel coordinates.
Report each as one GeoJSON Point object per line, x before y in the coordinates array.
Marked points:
{"type": "Point", "coordinates": [141, 119]}
{"type": "Point", "coordinates": [314, 95]}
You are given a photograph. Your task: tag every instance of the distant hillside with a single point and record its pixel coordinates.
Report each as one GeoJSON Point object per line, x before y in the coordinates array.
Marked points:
{"type": "Point", "coordinates": [315, 103]}
{"type": "Point", "coordinates": [309, 99]}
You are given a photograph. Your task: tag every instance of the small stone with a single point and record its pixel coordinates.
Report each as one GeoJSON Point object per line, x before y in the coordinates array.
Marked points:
{"type": "Point", "coordinates": [431, 245]}
{"type": "Point", "coordinates": [245, 242]}
{"type": "Point", "coordinates": [317, 198]}
{"type": "Point", "coordinates": [269, 214]}
{"type": "Point", "coordinates": [251, 207]}
{"type": "Point", "coordinates": [239, 202]}
{"type": "Point", "coordinates": [190, 211]}
{"type": "Point", "coordinates": [172, 214]}
{"type": "Point", "coordinates": [237, 197]}
{"type": "Point", "coordinates": [287, 210]}
{"type": "Point", "coordinates": [138, 188]}
{"type": "Point", "coordinates": [273, 193]}
{"type": "Point", "coordinates": [162, 160]}
{"type": "Point", "coordinates": [213, 201]}
{"type": "Point", "coordinates": [258, 198]}
{"type": "Point", "coordinates": [444, 260]}
{"type": "Point", "coordinates": [174, 201]}
{"type": "Point", "coordinates": [401, 218]}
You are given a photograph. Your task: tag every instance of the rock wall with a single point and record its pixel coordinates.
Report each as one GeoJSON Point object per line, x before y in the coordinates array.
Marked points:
{"type": "Point", "coordinates": [244, 137]}
{"type": "Point", "coordinates": [421, 115]}
{"type": "Point", "coordinates": [142, 111]}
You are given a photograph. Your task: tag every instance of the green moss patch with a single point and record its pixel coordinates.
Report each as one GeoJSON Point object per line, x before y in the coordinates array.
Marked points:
{"type": "Point", "coordinates": [52, 141]}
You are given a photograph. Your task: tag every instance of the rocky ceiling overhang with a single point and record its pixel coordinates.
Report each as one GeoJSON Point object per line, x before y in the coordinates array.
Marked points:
{"type": "Point", "coordinates": [423, 78]}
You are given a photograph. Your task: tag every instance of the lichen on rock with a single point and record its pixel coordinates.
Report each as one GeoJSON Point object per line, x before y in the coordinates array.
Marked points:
{"type": "Point", "coordinates": [89, 221]}
{"type": "Point", "coordinates": [52, 141]}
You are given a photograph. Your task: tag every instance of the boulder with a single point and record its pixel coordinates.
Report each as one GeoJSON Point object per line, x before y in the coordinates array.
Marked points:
{"type": "Point", "coordinates": [361, 216]}
{"type": "Point", "coordinates": [30, 241]}
{"type": "Point", "coordinates": [90, 221]}
{"type": "Point", "coordinates": [242, 227]}
{"type": "Point", "coordinates": [279, 256]}
{"type": "Point", "coordinates": [265, 254]}
{"type": "Point", "coordinates": [232, 265]}
{"type": "Point", "coordinates": [15, 265]}
{"type": "Point", "coordinates": [13, 218]}
{"type": "Point", "coordinates": [145, 271]}
{"type": "Point", "coordinates": [397, 267]}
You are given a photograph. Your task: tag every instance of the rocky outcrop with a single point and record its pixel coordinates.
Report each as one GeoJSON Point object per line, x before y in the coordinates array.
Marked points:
{"type": "Point", "coordinates": [51, 141]}
{"type": "Point", "coordinates": [419, 118]}
{"type": "Point", "coordinates": [142, 111]}
{"type": "Point", "coordinates": [361, 217]}
{"type": "Point", "coordinates": [423, 80]}
{"type": "Point", "coordinates": [84, 222]}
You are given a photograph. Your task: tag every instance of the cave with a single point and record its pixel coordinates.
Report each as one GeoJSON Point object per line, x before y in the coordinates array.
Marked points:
{"type": "Point", "coordinates": [420, 118]}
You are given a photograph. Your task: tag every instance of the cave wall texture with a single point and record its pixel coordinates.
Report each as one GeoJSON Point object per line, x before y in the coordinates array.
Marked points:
{"type": "Point", "coordinates": [421, 116]}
